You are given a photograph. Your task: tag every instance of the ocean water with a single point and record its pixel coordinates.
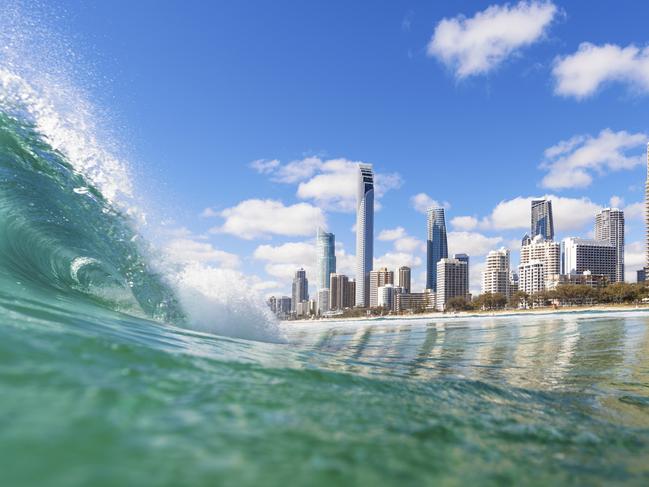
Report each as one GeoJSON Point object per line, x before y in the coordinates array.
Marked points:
{"type": "Point", "coordinates": [103, 398]}
{"type": "Point", "coordinates": [120, 368]}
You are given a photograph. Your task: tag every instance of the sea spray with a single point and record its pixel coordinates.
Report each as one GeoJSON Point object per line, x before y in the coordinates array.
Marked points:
{"type": "Point", "coordinates": [69, 216]}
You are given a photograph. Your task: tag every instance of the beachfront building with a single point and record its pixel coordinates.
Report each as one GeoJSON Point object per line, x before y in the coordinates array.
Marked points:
{"type": "Point", "coordinates": [581, 255]}
{"type": "Point", "coordinates": [541, 219]}
{"type": "Point", "coordinates": [342, 292]}
{"type": "Point", "coordinates": [497, 274]}
{"type": "Point", "coordinates": [323, 301]}
{"type": "Point", "coordinates": [452, 281]}
{"type": "Point", "coordinates": [414, 301]}
{"type": "Point", "coordinates": [325, 257]}
{"type": "Point", "coordinates": [585, 279]}
{"type": "Point", "coordinates": [436, 244]}
{"type": "Point", "coordinates": [364, 233]}
{"type": "Point", "coordinates": [404, 278]}
{"type": "Point", "coordinates": [379, 278]}
{"type": "Point", "coordinates": [300, 289]}
{"type": "Point", "coordinates": [532, 276]}
{"type": "Point", "coordinates": [547, 253]}
{"type": "Point", "coordinates": [609, 227]}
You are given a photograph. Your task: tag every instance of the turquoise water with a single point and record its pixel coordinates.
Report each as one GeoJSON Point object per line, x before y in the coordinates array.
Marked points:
{"type": "Point", "coordinates": [105, 378]}
{"type": "Point", "coordinates": [115, 400]}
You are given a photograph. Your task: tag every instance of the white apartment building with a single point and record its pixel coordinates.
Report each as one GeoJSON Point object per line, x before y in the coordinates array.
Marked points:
{"type": "Point", "coordinates": [452, 281]}
{"type": "Point", "coordinates": [609, 227]}
{"type": "Point", "coordinates": [597, 256]}
{"type": "Point", "coordinates": [537, 251]}
{"type": "Point", "coordinates": [496, 276]}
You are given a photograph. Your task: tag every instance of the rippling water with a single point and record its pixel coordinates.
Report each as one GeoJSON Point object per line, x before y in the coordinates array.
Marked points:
{"type": "Point", "coordinates": [534, 400]}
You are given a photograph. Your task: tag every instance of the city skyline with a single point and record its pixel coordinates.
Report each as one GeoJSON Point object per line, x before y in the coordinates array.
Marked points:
{"type": "Point", "coordinates": [435, 129]}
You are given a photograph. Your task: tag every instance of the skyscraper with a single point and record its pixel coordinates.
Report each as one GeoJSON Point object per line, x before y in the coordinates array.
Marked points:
{"type": "Point", "coordinates": [436, 245]}
{"type": "Point", "coordinates": [609, 227]}
{"type": "Point", "coordinates": [364, 233]}
{"type": "Point", "coordinates": [496, 276]}
{"type": "Point", "coordinates": [404, 278]}
{"type": "Point", "coordinates": [300, 289]}
{"type": "Point", "coordinates": [542, 223]}
{"type": "Point", "coordinates": [325, 257]}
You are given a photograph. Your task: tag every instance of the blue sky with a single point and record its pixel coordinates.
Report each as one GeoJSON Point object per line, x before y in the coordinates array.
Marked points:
{"type": "Point", "coordinates": [474, 105]}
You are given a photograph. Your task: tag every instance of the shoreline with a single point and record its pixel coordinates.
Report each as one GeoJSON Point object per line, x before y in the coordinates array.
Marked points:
{"type": "Point", "coordinates": [603, 309]}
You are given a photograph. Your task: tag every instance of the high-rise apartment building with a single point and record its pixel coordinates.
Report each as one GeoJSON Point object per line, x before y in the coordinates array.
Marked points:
{"type": "Point", "coordinates": [436, 244]}
{"type": "Point", "coordinates": [542, 222]}
{"type": "Point", "coordinates": [378, 279]}
{"type": "Point", "coordinates": [538, 251]}
{"type": "Point", "coordinates": [325, 257]}
{"type": "Point", "coordinates": [532, 277]}
{"type": "Point", "coordinates": [609, 227]}
{"type": "Point", "coordinates": [595, 256]}
{"type": "Point", "coordinates": [496, 278]}
{"type": "Point", "coordinates": [364, 233]}
{"type": "Point", "coordinates": [404, 278]}
{"type": "Point", "coordinates": [452, 281]}
{"type": "Point", "coordinates": [300, 289]}
{"type": "Point", "coordinates": [342, 292]}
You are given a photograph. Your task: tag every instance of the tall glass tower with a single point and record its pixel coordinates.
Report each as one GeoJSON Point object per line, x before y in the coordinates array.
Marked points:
{"type": "Point", "coordinates": [325, 257]}
{"type": "Point", "coordinates": [542, 223]}
{"type": "Point", "coordinates": [364, 233]}
{"type": "Point", "coordinates": [436, 245]}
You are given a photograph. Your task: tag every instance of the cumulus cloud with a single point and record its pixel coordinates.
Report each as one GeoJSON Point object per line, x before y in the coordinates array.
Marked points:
{"type": "Point", "coordinates": [264, 166]}
{"type": "Point", "coordinates": [571, 163]}
{"type": "Point", "coordinates": [283, 260]}
{"type": "Point", "coordinates": [331, 183]}
{"type": "Point", "coordinates": [392, 234]}
{"type": "Point", "coordinates": [634, 211]}
{"type": "Point", "coordinates": [471, 243]}
{"type": "Point", "coordinates": [581, 74]}
{"type": "Point", "coordinates": [186, 250]}
{"type": "Point", "coordinates": [394, 260]}
{"type": "Point", "coordinates": [259, 218]}
{"type": "Point", "coordinates": [478, 44]}
{"type": "Point", "coordinates": [569, 214]}
{"type": "Point", "coordinates": [464, 223]}
{"type": "Point", "coordinates": [421, 202]}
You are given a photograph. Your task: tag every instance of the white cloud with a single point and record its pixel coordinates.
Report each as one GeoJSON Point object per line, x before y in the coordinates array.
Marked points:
{"type": "Point", "coordinates": [392, 234]}
{"type": "Point", "coordinates": [186, 250]}
{"type": "Point", "coordinates": [464, 223]}
{"type": "Point", "coordinates": [394, 260]}
{"type": "Point", "coordinates": [283, 260]}
{"type": "Point", "coordinates": [478, 44]}
{"type": "Point", "coordinates": [409, 244]}
{"type": "Point", "coordinates": [616, 201]}
{"type": "Point", "coordinates": [634, 259]}
{"type": "Point", "coordinates": [471, 243]}
{"type": "Point", "coordinates": [569, 214]}
{"type": "Point", "coordinates": [331, 183]}
{"type": "Point", "coordinates": [209, 213]}
{"type": "Point", "coordinates": [581, 74]}
{"type": "Point", "coordinates": [571, 163]}
{"type": "Point", "coordinates": [421, 202]}
{"type": "Point", "coordinates": [264, 166]}
{"type": "Point", "coordinates": [258, 218]}
{"type": "Point", "coordinates": [634, 211]}
{"type": "Point", "coordinates": [476, 268]}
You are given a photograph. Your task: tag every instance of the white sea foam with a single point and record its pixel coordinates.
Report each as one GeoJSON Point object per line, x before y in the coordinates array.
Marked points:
{"type": "Point", "coordinates": [37, 84]}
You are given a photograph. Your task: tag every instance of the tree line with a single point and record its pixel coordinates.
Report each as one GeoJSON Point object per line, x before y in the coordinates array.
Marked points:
{"type": "Point", "coordinates": [563, 295]}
